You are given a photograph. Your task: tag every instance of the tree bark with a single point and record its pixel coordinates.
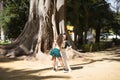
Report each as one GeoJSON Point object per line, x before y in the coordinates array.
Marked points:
{"type": "Point", "coordinates": [85, 29]}
{"type": "Point", "coordinates": [97, 38]}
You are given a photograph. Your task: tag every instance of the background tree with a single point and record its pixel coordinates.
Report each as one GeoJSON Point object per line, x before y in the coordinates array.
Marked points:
{"type": "Point", "coordinates": [88, 13]}
{"type": "Point", "coordinates": [116, 24]}
{"type": "Point", "coordinates": [73, 8]}
{"type": "Point", "coordinates": [16, 13]}
{"type": "Point", "coordinates": [101, 20]}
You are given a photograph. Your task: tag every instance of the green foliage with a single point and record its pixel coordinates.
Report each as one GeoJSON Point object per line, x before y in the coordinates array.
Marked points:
{"type": "Point", "coordinates": [115, 26]}
{"type": "Point", "coordinates": [5, 42]}
{"type": "Point", "coordinates": [14, 16]}
{"type": "Point", "coordinates": [95, 14]}
{"type": "Point", "coordinates": [5, 17]}
{"type": "Point", "coordinates": [96, 47]}
{"type": "Point", "coordinates": [86, 47]}
{"type": "Point", "coordinates": [118, 18]}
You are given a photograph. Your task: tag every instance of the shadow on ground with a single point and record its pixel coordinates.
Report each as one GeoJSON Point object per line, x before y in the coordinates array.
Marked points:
{"type": "Point", "coordinates": [76, 67]}
{"type": "Point", "coordinates": [115, 57]}
{"type": "Point", "coordinates": [8, 74]}
{"type": "Point", "coordinates": [5, 59]}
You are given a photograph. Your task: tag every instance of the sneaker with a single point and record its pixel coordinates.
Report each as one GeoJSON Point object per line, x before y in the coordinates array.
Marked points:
{"type": "Point", "coordinates": [55, 69]}
{"type": "Point", "coordinates": [66, 70]}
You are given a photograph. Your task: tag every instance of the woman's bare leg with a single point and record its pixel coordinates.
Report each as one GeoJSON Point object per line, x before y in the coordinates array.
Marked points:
{"type": "Point", "coordinates": [61, 62]}
{"type": "Point", "coordinates": [54, 63]}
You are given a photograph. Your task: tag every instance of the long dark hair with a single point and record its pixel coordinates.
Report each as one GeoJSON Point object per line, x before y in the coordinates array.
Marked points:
{"type": "Point", "coordinates": [60, 40]}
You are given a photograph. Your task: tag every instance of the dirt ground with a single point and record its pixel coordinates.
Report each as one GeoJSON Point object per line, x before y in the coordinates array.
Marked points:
{"type": "Point", "coordinates": [103, 65]}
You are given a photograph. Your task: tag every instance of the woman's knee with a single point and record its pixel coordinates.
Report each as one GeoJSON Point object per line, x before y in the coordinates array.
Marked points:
{"type": "Point", "coordinates": [53, 58]}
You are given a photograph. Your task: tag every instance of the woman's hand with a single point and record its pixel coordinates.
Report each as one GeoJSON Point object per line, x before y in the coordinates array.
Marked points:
{"type": "Point", "coordinates": [68, 48]}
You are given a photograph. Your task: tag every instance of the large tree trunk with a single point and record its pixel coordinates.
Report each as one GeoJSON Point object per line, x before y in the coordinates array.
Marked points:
{"type": "Point", "coordinates": [85, 29]}
{"type": "Point", "coordinates": [46, 20]}
{"type": "Point", "coordinates": [97, 38]}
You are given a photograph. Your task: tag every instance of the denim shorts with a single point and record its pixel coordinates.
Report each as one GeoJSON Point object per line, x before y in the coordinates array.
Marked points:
{"type": "Point", "coordinates": [55, 52]}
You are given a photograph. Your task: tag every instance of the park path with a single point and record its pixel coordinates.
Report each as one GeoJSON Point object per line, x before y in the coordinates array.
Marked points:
{"type": "Point", "coordinates": [104, 65]}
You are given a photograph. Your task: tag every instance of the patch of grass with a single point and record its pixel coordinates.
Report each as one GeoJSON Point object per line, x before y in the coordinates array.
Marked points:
{"type": "Point", "coordinates": [5, 42]}
{"type": "Point", "coordinates": [96, 46]}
